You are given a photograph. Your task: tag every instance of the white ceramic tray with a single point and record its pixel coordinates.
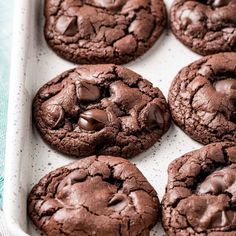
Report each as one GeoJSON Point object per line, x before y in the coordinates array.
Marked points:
{"type": "Point", "coordinates": [28, 158]}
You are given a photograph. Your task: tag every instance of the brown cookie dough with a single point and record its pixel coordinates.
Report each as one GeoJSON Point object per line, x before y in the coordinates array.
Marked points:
{"type": "Point", "coordinates": [202, 98]}
{"type": "Point", "coordinates": [206, 27]}
{"type": "Point", "coordinates": [201, 193]}
{"type": "Point", "coordinates": [104, 31]}
{"type": "Point", "coordinates": [100, 109]}
{"type": "Point", "coordinates": [102, 196]}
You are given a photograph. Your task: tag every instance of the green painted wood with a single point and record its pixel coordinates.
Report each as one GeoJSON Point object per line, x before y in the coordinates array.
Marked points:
{"type": "Point", "coordinates": [6, 15]}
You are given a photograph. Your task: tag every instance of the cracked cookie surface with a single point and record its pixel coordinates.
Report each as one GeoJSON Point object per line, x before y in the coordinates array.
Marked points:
{"type": "Point", "coordinates": [202, 98]}
{"type": "Point", "coordinates": [98, 195]}
{"type": "Point", "coordinates": [201, 193]}
{"type": "Point", "coordinates": [100, 109]}
{"type": "Point", "coordinates": [107, 31]}
{"type": "Point", "coordinates": [206, 27]}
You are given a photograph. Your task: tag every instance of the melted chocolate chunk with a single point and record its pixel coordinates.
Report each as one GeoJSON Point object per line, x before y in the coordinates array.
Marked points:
{"type": "Point", "coordinates": [222, 181]}
{"type": "Point", "coordinates": [226, 86]}
{"type": "Point", "coordinates": [118, 202]}
{"type": "Point", "coordinates": [54, 116]}
{"type": "Point", "coordinates": [93, 120]}
{"type": "Point", "coordinates": [115, 5]}
{"type": "Point", "coordinates": [155, 118]}
{"type": "Point", "coordinates": [67, 25]}
{"type": "Point", "coordinates": [87, 91]}
{"type": "Point", "coordinates": [220, 3]}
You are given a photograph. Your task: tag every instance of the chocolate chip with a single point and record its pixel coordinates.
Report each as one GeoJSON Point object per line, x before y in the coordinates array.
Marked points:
{"type": "Point", "coordinates": [87, 91]}
{"type": "Point", "coordinates": [233, 86]}
{"type": "Point", "coordinates": [218, 3]}
{"type": "Point", "coordinates": [225, 86]}
{"type": "Point", "coordinates": [213, 185]}
{"type": "Point", "coordinates": [155, 118]}
{"type": "Point", "coordinates": [93, 120]}
{"type": "Point", "coordinates": [189, 16]}
{"type": "Point", "coordinates": [53, 115]}
{"type": "Point", "coordinates": [108, 4]}
{"type": "Point", "coordinates": [49, 207]}
{"type": "Point", "coordinates": [67, 25]}
{"type": "Point", "coordinates": [118, 202]}
{"type": "Point", "coordinates": [73, 178]}
{"type": "Point", "coordinates": [228, 86]}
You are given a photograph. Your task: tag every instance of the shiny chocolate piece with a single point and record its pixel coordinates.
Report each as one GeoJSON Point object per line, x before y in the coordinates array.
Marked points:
{"type": "Point", "coordinates": [54, 116]}
{"type": "Point", "coordinates": [226, 86]}
{"type": "Point", "coordinates": [115, 5]}
{"type": "Point", "coordinates": [67, 25]}
{"type": "Point", "coordinates": [103, 31]}
{"type": "Point", "coordinates": [206, 27]}
{"type": "Point", "coordinates": [155, 118]}
{"type": "Point", "coordinates": [219, 182]}
{"type": "Point", "coordinates": [118, 202]}
{"type": "Point", "coordinates": [55, 108]}
{"type": "Point", "coordinates": [219, 3]}
{"type": "Point", "coordinates": [202, 99]}
{"type": "Point", "coordinates": [92, 120]}
{"type": "Point", "coordinates": [87, 91]}
{"type": "Point", "coordinates": [105, 109]}
{"type": "Point", "coordinates": [83, 198]}
{"type": "Point", "coordinates": [201, 192]}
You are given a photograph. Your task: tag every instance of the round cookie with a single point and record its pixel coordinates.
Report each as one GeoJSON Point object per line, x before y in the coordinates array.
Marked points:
{"type": "Point", "coordinates": [100, 109]}
{"type": "Point", "coordinates": [103, 31]}
{"type": "Point", "coordinates": [98, 195]}
{"type": "Point", "coordinates": [201, 193]}
{"type": "Point", "coordinates": [202, 99]}
{"type": "Point", "coordinates": [206, 27]}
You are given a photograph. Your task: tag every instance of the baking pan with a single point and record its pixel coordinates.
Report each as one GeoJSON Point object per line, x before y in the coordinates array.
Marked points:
{"type": "Point", "coordinates": [28, 158]}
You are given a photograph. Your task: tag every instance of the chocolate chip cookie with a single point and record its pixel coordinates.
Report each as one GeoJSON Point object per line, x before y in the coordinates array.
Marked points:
{"type": "Point", "coordinates": [202, 98]}
{"type": "Point", "coordinates": [98, 195]}
{"type": "Point", "coordinates": [100, 109]}
{"type": "Point", "coordinates": [200, 196]}
{"type": "Point", "coordinates": [206, 27]}
{"type": "Point", "coordinates": [103, 31]}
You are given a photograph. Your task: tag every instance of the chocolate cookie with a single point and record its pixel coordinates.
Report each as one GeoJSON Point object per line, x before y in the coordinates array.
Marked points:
{"type": "Point", "coordinates": [103, 31]}
{"type": "Point", "coordinates": [102, 195]}
{"type": "Point", "coordinates": [200, 196]}
{"type": "Point", "coordinates": [100, 109]}
{"type": "Point", "coordinates": [202, 98]}
{"type": "Point", "coordinates": [206, 27]}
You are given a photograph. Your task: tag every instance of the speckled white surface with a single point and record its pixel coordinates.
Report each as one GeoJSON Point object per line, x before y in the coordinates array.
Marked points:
{"type": "Point", "coordinates": [28, 158]}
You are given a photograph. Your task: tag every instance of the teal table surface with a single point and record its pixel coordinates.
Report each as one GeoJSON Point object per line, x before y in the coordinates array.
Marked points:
{"type": "Point", "coordinates": [6, 11]}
